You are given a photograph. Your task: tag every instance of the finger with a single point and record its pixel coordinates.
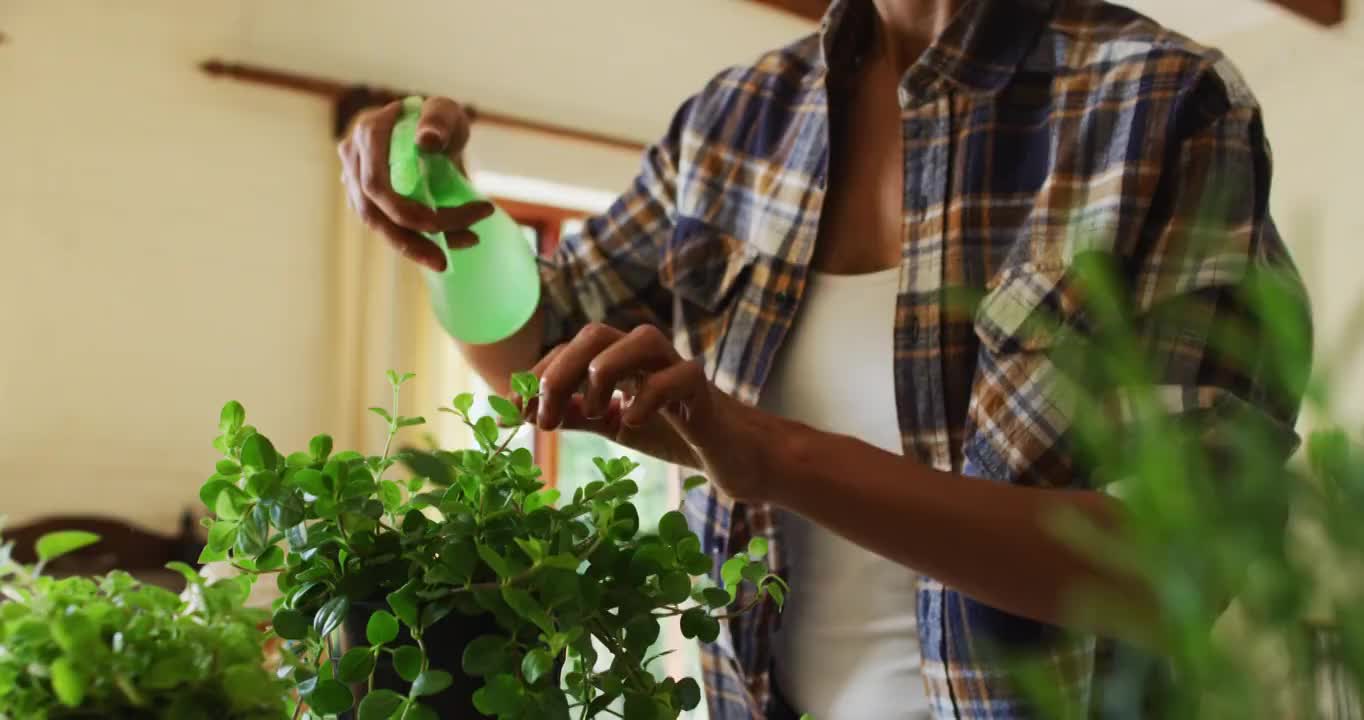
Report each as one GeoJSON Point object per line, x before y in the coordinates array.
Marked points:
{"type": "Point", "coordinates": [606, 423]}
{"type": "Point", "coordinates": [443, 126]}
{"type": "Point", "coordinates": [461, 239]}
{"type": "Point", "coordinates": [562, 376]}
{"type": "Point", "coordinates": [408, 244]}
{"type": "Point", "coordinates": [673, 392]}
{"type": "Point", "coordinates": [645, 349]}
{"type": "Point", "coordinates": [461, 217]}
{"type": "Point", "coordinates": [371, 140]}
{"type": "Point", "coordinates": [538, 371]}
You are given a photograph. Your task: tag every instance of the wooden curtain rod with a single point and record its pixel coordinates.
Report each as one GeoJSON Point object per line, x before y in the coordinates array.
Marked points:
{"type": "Point", "coordinates": [342, 93]}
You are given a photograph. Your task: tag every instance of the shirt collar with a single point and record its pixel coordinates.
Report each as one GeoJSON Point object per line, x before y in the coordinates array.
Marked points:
{"type": "Point", "coordinates": [980, 49]}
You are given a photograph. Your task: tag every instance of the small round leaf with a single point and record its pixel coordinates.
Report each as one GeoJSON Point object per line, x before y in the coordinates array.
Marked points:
{"type": "Point", "coordinates": [407, 660]}
{"type": "Point", "coordinates": [290, 624]}
{"type": "Point", "coordinates": [382, 628]}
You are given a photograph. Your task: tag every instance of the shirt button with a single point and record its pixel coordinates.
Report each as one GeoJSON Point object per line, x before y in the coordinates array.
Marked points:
{"type": "Point", "coordinates": [912, 330]}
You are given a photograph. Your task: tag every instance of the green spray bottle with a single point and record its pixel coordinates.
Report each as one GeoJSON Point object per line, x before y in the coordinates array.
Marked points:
{"type": "Point", "coordinates": [486, 292]}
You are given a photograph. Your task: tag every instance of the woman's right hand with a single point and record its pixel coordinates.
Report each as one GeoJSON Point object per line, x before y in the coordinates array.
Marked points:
{"type": "Point", "coordinates": [365, 172]}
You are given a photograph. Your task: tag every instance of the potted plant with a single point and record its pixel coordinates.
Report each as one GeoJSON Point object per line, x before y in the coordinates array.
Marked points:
{"type": "Point", "coordinates": [467, 586]}
{"type": "Point", "coordinates": [111, 647]}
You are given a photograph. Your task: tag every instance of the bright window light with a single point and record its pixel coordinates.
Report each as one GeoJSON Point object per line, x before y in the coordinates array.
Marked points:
{"type": "Point", "coordinates": [543, 192]}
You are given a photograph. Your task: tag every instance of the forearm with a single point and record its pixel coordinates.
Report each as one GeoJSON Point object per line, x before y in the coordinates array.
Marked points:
{"type": "Point", "coordinates": [495, 362]}
{"type": "Point", "coordinates": [990, 540]}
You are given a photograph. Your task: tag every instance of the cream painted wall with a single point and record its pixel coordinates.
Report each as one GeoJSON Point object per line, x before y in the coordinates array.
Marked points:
{"type": "Point", "coordinates": [161, 240]}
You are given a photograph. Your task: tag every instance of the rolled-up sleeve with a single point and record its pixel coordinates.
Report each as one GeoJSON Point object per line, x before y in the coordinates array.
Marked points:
{"type": "Point", "coordinates": [609, 272]}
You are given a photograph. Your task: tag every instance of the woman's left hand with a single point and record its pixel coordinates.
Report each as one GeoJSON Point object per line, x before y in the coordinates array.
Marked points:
{"type": "Point", "coordinates": [667, 407]}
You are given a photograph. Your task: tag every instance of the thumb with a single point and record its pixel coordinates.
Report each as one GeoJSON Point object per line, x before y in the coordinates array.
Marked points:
{"type": "Point", "coordinates": [443, 126]}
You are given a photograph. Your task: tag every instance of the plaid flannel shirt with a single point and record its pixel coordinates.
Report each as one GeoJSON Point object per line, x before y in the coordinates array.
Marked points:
{"type": "Point", "coordinates": [1033, 130]}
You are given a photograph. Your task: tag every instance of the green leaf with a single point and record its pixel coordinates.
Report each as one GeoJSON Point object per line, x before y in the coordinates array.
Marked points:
{"type": "Point", "coordinates": [418, 711]}
{"type": "Point", "coordinates": [290, 624]}
{"type": "Point", "coordinates": [464, 402]}
{"type": "Point", "coordinates": [714, 597]}
{"type": "Point", "coordinates": [404, 602]}
{"type": "Point", "coordinates": [410, 421]}
{"type": "Point", "coordinates": [504, 408]}
{"type": "Point", "coordinates": [757, 548]}
{"type": "Point", "coordinates": [380, 705]}
{"type": "Point", "coordinates": [231, 418]}
{"type": "Point", "coordinates": [688, 693]}
{"type": "Point", "coordinates": [286, 512]}
{"type": "Point", "coordinates": [229, 504]}
{"type": "Point", "coordinates": [503, 696]}
{"type": "Point", "coordinates": [330, 697]}
{"type": "Point", "coordinates": [67, 683]}
{"type": "Point", "coordinates": [674, 587]}
{"type": "Point", "coordinates": [263, 484]}
{"type": "Point", "coordinates": [254, 532]}
{"type": "Point", "coordinates": [208, 555]}
{"type": "Point", "coordinates": [407, 660]}
{"type": "Point", "coordinates": [257, 452]}
{"type": "Point", "coordinates": [382, 628]}
{"type": "Point", "coordinates": [486, 654]}
{"type": "Point", "coordinates": [355, 665]}
{"type": "Point", "coordinates": [190, 574]}
{"type": "Point", "coordinates": [227, 467]}
{"type": "Point", "coordinates": [391, 495]}
{"type": "Point", "coordinates": [330, 616]}
{"type": "Point", "coordinates": [382, 413]}
{"type": "Point", "coordinates": [672, 527]}
{"type": "Point", "coordinates": [539, 499]}
{"type": "Point", "coordinates": [313, 482]}
{"type": "Point", "coordinates": [522, 459]}
{"type": "Point", "coordinates": [271, 559]}
{"type": "Point", "coordinates": [732, 572]}
{"type": "Point", "coordinates": [777, 594]}
{"type": "Point", "coordinates": [537, 664]}
{"type": "Point", "coordinates": [693, 482]}
{"type": "Point", "coordinates": [523, 604]}
{"type": "Point", "coordinates": [525, 384]}
{"type": "Point", "coordinates": [56, 544]}
{"type": "Point", "coordinates": [222, 535]}
{"type": "Point", "coordinates": [320, 447]}
{"type": "Point", "coordinates": [298, 460]}
{"type": "Point", "coordinates": [486, 430]}
{"type": "Point", "coordinates": [494, 561]}
{"type": "Point", "coordinates": [392, 376]}
{"type": "Point", "coordinates": [696, 623]}
{"type": "Point", "coordinates": [431, 682]}
{"type": "Point", "coordinates": [212, 488]}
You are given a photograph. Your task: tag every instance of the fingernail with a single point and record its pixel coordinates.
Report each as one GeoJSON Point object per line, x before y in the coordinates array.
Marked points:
{"type": "Point", "coordinates": [430, 140]}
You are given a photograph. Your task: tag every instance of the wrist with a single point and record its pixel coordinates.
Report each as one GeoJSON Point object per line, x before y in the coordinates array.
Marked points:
{"type": "Point", "coordinates": [794, 456]}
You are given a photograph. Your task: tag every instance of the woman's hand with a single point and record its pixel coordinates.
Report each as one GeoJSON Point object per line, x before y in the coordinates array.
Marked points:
{"type": "Point", "coordinates": [443, 127]}
{"type": "Point", "coordinates": [667, 407]}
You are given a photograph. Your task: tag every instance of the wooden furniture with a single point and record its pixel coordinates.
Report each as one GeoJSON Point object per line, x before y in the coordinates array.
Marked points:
{"type": "Point", "coordinates": [122, 546]}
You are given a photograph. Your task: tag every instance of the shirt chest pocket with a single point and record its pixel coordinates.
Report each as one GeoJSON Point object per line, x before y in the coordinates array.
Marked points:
{"type": "Point", "coordinates": [1027, 311]}
{"type": "Point", "coordinates": [703, 266]}
{"type": "Point", "coordinates": [1022, 403]}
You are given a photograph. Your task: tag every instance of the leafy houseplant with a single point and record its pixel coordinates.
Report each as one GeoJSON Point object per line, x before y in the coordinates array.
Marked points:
{"type": "Point", "coordinates": [112, 647]}
{"type": "Point", "coordinates": [472, 538]}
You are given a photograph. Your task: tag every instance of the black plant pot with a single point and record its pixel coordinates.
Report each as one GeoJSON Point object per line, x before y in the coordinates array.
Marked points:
{"type": "Point", "coordinates": [445, 642]}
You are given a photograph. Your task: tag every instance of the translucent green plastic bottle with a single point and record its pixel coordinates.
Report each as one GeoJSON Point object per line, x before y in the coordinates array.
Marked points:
{"type": "Point", "coordinates": [486, 292]}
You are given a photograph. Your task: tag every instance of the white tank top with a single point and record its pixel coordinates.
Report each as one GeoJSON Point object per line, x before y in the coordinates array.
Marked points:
{"type": "Point", "coordinates": [848, 647]}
